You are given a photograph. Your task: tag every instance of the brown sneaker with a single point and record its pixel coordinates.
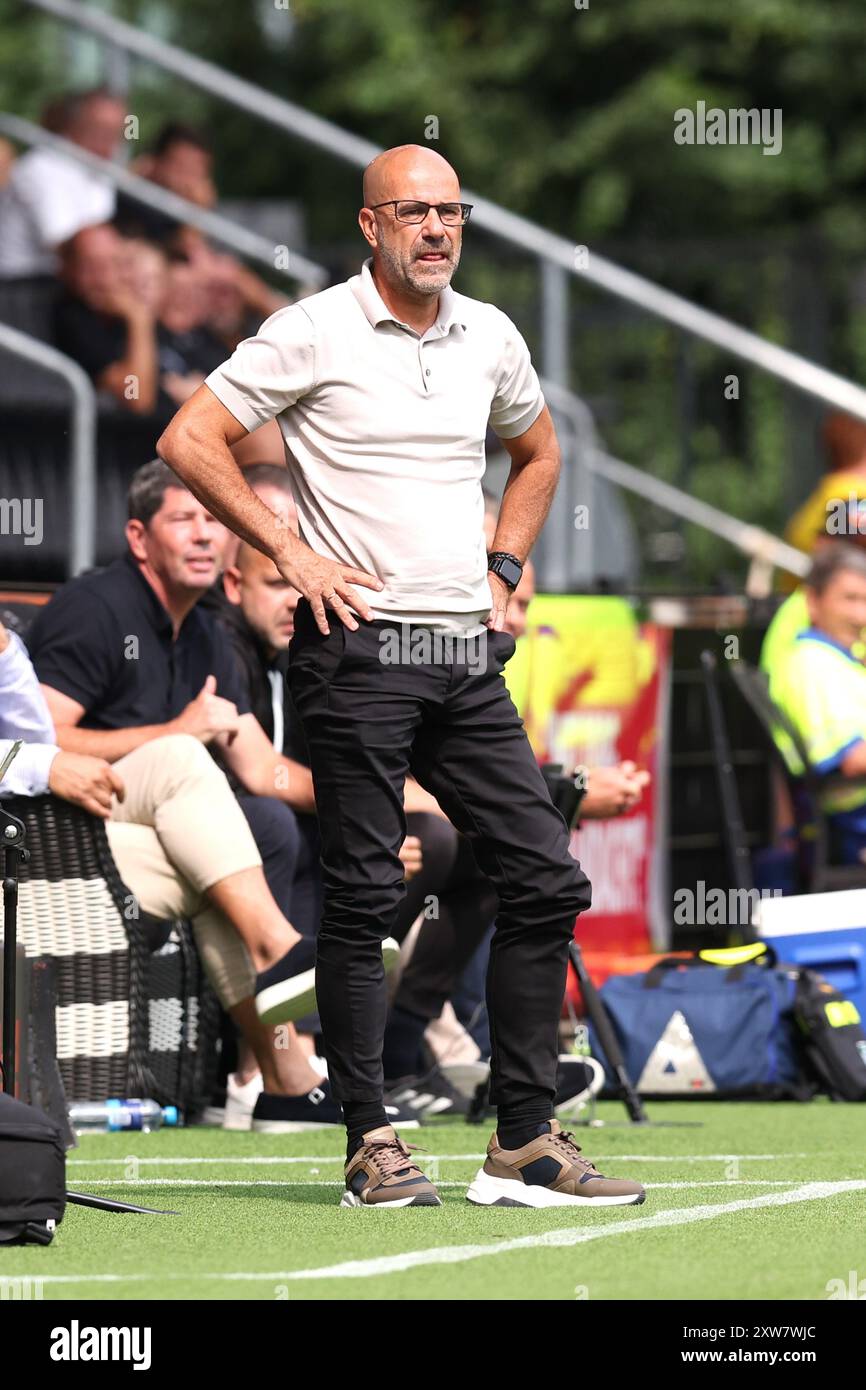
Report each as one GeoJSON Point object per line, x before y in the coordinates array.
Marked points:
{"type": "Point", "coordinates": [548, 1172]}
{"type": "Point", "coordinates": [381, 1174]}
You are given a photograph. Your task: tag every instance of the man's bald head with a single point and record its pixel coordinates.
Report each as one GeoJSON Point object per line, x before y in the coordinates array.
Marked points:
{"type": "Point", "coordinates": [268, 602]}
{"type": "Point", "coordinates": [395, 172]}
{"type": "Point", "coordinates": [415, 260]}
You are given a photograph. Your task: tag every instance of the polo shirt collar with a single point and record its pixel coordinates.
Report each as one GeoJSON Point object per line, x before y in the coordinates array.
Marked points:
{"type": "Point", "coordinates": [363, 287]}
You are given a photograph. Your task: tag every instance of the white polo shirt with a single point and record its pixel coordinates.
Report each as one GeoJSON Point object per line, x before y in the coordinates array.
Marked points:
{"type": "Point", "coordinates": [384, 431]}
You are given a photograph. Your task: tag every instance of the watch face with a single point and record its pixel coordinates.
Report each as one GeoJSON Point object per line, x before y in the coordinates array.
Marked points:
{"type": "Point", "coordinates": [508, 570]}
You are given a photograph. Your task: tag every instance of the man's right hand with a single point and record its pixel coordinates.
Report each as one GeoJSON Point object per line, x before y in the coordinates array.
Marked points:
{"type": "Point", "coordinates": [327, 584]}
{"type": "Point", "coordinates": [207, 715]}
{"type": "Point", "coordinates": [88, 782]}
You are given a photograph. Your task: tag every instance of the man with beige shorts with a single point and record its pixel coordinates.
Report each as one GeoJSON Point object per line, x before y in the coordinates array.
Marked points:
{"type": "Point", "coordinates": [184, 848]}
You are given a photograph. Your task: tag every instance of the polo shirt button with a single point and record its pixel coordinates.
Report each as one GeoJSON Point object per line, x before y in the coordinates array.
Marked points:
{"type": "Point", "coordinates": [426, 371]}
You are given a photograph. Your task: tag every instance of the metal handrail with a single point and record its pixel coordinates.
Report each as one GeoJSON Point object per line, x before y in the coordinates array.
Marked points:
{"type": "Point", "coordinates": [222, 229]}
{"type": "Point", "coordinates": [764, 549]}
{"type": "Point", "coordinates": [82, 441]}
{"type": "Point", "coordinates": [556, 250]}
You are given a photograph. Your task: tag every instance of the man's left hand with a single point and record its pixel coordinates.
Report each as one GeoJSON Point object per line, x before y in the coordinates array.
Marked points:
{"type": "Point", "coordinates": [4, 638]}
{"type": "Point", "coordinates": [495, 620]}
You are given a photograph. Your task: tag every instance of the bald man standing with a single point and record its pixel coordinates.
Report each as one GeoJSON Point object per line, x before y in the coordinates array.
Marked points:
{"type": "Point", "coordinates": [383, 388]}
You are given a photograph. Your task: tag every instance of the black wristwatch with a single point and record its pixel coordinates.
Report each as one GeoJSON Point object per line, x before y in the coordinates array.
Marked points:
{"type": "Point", "coordinates": [508, 567]}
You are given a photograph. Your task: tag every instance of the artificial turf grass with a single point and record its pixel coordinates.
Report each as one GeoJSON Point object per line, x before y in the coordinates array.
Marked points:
{"type": "Point", "coordinates": [783, 1252]}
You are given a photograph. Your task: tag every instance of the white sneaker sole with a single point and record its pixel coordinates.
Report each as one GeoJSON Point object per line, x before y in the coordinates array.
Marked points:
{"type": "Point", "coordinates": [507, 1192]}
{"type": "Point", "coordinates": [296, 997]}
{"type": "Point", "coordinates": [350, 1200]}
{"type": "Point", "coordinates": [288, 999]}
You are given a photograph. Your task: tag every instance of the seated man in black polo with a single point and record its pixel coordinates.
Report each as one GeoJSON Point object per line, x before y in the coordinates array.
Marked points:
{"type": "Point", "coordinates": [124, 656]}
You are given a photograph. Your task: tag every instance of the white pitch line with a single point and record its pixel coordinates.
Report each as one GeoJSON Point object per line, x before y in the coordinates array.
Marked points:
{"type": "Point", "coordinates": [565, 1236]}
{"type": "Point", "coordinates": [337, 1182]}
{"type": "Point", "coordinates": [568, 1236]}
{"type": "Point", "coordinates": [434, 1158]}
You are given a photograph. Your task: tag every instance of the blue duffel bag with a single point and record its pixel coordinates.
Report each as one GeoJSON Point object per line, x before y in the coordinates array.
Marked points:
{"type": "Point", "coordinates": [690, 1028]}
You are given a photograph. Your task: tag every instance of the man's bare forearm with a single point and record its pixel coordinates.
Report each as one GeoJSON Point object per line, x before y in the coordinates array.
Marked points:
{"type": "Point", "coordinates": [299, 791]}
{"type": "Point", "coordinates": [109, 744]}
{"type": "Point", "coordinates": [525, 503]}
{"type": "Point", "coordinates": [208, 467]}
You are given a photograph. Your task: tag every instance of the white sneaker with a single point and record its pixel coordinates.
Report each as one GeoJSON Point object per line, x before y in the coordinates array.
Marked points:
{"type": "Point", "coordinates": [241, 1101]}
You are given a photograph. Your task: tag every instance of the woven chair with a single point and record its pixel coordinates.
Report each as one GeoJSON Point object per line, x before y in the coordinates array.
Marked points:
{"type": "Point", "coordinates": [134, 1015]}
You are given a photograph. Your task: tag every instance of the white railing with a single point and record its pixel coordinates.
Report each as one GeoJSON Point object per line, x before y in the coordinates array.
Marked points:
{"type": "Point", "coordinates": [589, 458]}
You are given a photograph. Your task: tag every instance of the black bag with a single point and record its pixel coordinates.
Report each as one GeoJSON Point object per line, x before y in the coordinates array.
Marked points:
{"type": "Point", "coordinates": [32, 1175]}
{"type": "Point", "coordinates": [833, 1040]}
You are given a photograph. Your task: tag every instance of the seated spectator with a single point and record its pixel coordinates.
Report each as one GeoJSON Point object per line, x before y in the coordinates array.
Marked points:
{"type": "Point", "coordinates": [183, 847]}
{"type": "Point", "coordinates": [835, 511]}
{"type": "Point", "coordinates": [134, 318]}
{"type": "Point", "coordinates": [844, 440]}
{"type": "Point", "coordinates": [188, 350]}
{"type": "Point", "coordinates": [125, 655]}
{"type": "Point", "coordinates": [104, 324]}
{"type": "Point", "coordinates": [50, 197]}
{"type": "Point", "coordinates": [819, 682]}
{"type": "Point", "coordinates": [181, 160]}
{"type": "Point", "coordinates": [792, 617]}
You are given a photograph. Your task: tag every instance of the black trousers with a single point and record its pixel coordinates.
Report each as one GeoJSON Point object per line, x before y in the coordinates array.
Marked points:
{"type": "Point", "coordinates": [372, 712]}
{"type": "Point", "coordinates": [459, 905]}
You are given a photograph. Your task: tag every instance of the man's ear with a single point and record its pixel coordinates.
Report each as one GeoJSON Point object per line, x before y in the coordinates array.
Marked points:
{"type": "Point", "coordinates": [811, 604]}
{"type": "Point", "coordinates": [369, 230]}
{"type": "Point", "coordinates": [232, 584]}
{"type": "Point", "coordinates": [135, 532]}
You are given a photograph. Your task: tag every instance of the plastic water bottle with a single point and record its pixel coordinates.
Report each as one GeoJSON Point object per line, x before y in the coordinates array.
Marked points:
{"type": "Point", "coordinates": [111, 1115]}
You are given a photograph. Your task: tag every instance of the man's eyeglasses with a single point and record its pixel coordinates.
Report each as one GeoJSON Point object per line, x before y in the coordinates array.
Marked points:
{"type": "Point", "coordinates": [405, 210]}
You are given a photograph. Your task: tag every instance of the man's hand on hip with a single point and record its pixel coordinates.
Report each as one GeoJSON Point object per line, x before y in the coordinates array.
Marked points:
{"type": "Point", "coordinates": [495, 619]}
{"type": "Point", "coordinates": [327, 584]}
{"type": "Point", "coordinates": [88, 782]}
